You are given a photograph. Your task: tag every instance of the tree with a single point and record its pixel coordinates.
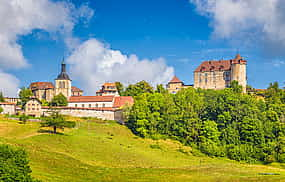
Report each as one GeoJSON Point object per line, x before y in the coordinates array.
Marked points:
{"type": "Point", "coordinates": [161, 89]}
{"type": "Point", "coordinates": [2, 99]}
{"type": "Point", "coordinates": [25, 95]}
{"type": "Point", "coordinates": [236, 87]}
{"type": "Point", "coordinates": [56, 120]}
{"type": "Point", "coordinates": [1, 110]}
{"type": "Point", "coordinates": [14, 165]}
{"type": "Point", "coordinates": [24, 118]}
{"type": "Point", "coordinates": [59, 100]}
{"type": "Point", "coordinates": [138, 88]}
{"type": "Point", "coordinates": [120, 88]}
{"type": "Point", "coordinates": [45, 102]}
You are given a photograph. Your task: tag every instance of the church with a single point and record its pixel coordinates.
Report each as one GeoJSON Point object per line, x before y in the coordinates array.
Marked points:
{"type": "Point", "coordinates": [63, 84]}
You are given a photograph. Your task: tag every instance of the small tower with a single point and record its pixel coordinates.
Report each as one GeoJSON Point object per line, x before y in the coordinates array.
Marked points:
{"type": "Point", "coordinates": [174, 85]}
{"type": "Point", "coordinates": [238, 71]}
{"type": "Point", "coordinates": [63, 82]}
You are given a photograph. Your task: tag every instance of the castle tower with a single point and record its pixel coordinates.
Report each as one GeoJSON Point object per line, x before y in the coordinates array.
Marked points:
{"type": "Point", "coordinates": [63, 82]}
{"type": "Point", "coordinates": [238, 71]}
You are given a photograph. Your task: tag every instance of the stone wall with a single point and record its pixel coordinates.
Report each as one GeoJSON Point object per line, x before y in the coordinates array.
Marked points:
{"type": "Point", "coordinates": [83, 112]}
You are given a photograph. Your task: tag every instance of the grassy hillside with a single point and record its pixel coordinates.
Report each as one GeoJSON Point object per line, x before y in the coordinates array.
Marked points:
{"type": "Point", "coordinates": [106, 151]}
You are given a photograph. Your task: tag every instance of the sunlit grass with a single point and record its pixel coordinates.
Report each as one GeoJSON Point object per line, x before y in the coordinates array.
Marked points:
{"type": "Point", "coordinates": [99, 150]}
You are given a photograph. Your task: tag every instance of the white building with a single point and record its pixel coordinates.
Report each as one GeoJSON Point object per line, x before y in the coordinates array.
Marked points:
{"type": "Point", "coordinates": [8, 108]}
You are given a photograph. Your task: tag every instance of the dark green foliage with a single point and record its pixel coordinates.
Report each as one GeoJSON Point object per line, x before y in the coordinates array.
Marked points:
{"type": "Point", "coordinates": [2, 97]}
{"type": "Point", "coordinates": [59, 100]}
{"type": "Point", "coordinates": [1, 110]}
{"type": "Point", "coordinates": [56, 120]}
{"type": "Point", "coordinates": [23, 118]}
{"type": "Point", "coordinates": [14, 165]}
{"type": "Point", "coordinates": [25, 95]}
{"type": "Point", "coordinates": [138, 88]}
{"type": "Point", "coordinates": [218, 123]}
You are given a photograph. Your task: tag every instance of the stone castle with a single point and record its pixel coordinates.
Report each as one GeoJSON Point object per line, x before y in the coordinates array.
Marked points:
{"type": "Point", "coordinates": [215, 75]}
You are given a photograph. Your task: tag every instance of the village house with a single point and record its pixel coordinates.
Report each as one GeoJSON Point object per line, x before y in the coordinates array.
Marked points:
{"type": "Point", "coordinates": [219, 74]}
{"type": "Point", "coordinates": [108, 89]}
{"type": "Point", "coordinates": [8, 108]}
{"type": "Point", "coordinates": [33, 107]}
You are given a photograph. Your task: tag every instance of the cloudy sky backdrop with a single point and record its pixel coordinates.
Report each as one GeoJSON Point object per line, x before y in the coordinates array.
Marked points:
{"type": "Point", "coordinates": [129, 41]}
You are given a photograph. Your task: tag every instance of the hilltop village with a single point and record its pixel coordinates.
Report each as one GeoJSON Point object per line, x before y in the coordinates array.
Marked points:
{"type": "Point", "coordinates": [107, 103]}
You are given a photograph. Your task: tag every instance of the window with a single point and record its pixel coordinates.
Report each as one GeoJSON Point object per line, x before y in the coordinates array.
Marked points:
{"type": "Point", "coordinates": [206, 77]}
{"type": "Point", "coordinates": [227, 76]}
{"type": "Point", "coordinates": [89, 105]}
{"type": "Point", "coordinates": [82, 105]}
{"type": "Point", "coordinates": [96, 105]}
{"type": "Point", "coordinates": [75, 105]}
{"type": "Point", "coordinates": [103, 105]}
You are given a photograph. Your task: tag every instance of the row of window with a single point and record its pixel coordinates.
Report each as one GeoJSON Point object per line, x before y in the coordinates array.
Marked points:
{"type": "Point", "coordinates": [88, 105]}
{"type": "Point", "coordinates": [33, 104]}
{"type": "Point", "coordinates": [226, 77]}
{"type": "Point", "coordinates": [33, 109]}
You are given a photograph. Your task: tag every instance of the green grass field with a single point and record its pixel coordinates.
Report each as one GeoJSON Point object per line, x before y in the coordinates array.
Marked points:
{"type": "Point", "coordinates": [106, 151]}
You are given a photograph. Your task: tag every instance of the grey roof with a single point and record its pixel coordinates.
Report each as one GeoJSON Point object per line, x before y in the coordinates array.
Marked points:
{"type": "Point", "coordinates": [63, 75]}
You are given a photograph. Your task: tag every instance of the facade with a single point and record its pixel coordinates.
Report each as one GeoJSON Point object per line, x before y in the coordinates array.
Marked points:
{"type": "Point", "coordinates": [33, 107]}
{"type": "Point", "coordinates": [175, 84]}
{"type": "Point", "coordinates": [8, 108]}
{"type": "Point", "coordinates": [43, 90]}
{"type": "Point", "coordinates": [108, 89]}
{"type": "Point", "coordinates": [47, 90]}
{"type": "Point", "coordinates": [219, 74]}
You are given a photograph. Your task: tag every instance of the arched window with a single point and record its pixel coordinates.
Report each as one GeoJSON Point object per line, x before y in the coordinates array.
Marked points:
{"type": "Point", "coordinates": [103, 105]}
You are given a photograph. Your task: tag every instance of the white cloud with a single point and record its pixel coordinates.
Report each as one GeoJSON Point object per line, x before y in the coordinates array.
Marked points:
{"type": "Point", "coordinates": [262, 20]}
{"type": "Point", "coordinates": [10, 83]}
{"type": "Point", "coordinates": [94, 63]}
{"type": "Point", "coordinates": [21, 17]}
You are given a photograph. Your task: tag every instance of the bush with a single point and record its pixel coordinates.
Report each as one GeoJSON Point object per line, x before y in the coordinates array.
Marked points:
{"type": "Point", "coordinates": [14, 165]}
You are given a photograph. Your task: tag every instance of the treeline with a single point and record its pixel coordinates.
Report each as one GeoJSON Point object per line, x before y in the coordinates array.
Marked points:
{"type": "Point", "coordinates": [223, 123]}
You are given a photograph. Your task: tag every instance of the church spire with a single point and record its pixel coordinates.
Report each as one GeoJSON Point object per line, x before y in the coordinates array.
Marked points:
{"type": "Point", "coordinates": [63, 75]}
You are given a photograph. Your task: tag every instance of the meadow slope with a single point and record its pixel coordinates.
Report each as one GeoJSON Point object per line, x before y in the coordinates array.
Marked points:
{"type": "Point", "coordinates": [105, 151]}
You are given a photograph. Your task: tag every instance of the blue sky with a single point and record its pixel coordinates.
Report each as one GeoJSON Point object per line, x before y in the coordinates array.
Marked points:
{"type": "Point", "coordinates": [178, 31]}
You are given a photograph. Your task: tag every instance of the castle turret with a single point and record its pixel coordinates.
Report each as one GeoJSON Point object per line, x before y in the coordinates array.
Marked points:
{"type": "Point", "coordinates": [238, 71]}
{"type": "Point", "coordinates": [63, 82]}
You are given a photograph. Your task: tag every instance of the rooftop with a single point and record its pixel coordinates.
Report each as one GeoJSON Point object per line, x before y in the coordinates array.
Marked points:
{"type": "Point", "coordinates": [41, 85]}
{"type": "Point", "coordinates": [221, 65]}
{"type": "Point", "coordinates": [91, 98]}
{"type": "Point", "coordinates": [175, 79]}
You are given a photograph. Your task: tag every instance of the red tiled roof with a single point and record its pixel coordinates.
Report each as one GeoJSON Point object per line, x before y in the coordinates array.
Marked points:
{"type": "Point", "coordinates": [41, 85]}
{"type": "Point", "coordinates": [122, 100]}
{"type": "Point", "coordinates": [75, 89]}
{"type": "Point", "coordinates": [91, 98]}
{"type": "Point", "coordinates": [221, 65]}
{"type": "Point", "coordinates": [175, 80]}
{"type": "Point", "coordinates": [82, 108]}
{"type": "Point", "coordinates": [110, 84]}
{"type": "Point", "coordinates": [7, 103]}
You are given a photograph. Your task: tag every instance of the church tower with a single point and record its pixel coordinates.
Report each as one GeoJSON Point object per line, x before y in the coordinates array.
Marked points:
{"type": "Point", "coordinates": [63, 82]}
